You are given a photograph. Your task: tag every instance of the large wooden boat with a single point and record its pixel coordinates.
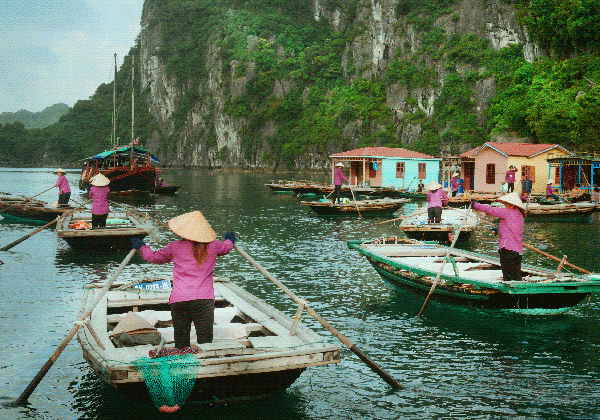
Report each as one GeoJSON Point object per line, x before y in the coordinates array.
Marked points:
{"type": "Point", "coordinates": [560, 210]}
{"type": "Point", "coordinates": [21, 209]}
{"type": "Point", "coordinates": [474, 279]}
{"type": "Point", "coordinates": [376, 207]}
{"type": "Point", "coordinates": [121, 228]}
{"type": "Point", "coordinates": [254, 353]}
{"type": "Point", "coordinates": [417, 226]}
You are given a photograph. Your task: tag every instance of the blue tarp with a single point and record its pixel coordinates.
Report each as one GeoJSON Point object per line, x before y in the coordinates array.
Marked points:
{"type": "Point", "coordinates": [124, 151]}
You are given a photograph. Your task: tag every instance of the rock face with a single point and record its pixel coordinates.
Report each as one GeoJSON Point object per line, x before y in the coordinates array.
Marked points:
{"type": "Point", "coordinates": [209, 136]}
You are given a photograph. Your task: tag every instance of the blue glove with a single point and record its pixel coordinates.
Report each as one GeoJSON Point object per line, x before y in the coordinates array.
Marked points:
{"type": "Point", "coordinates": [473, 202]}
{"type": "Point", "coordinates": [137, 243]}
{"type": "Point", "coordinates": [230, 236]}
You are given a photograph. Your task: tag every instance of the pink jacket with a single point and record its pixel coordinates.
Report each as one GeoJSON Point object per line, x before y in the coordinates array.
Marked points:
{"type": "Point", "coordinates": [338, 176]}
{"type": "Point", "coordinates": [190, 281]}
{"type": "Point", "coordinates": [454, 182]}
{"type": "Point", "coordinates": [510, 228]}
{"type": "Point", "coordinates": [510, 176]}
{"type": "Point", "coordinates": [549, 190]}
{"type": "Point", "coordinates": [63, 185]}
{"type": "Point", "coordinates": [99, 197]}
{"type": "Point", "coordinates": [435, 198]}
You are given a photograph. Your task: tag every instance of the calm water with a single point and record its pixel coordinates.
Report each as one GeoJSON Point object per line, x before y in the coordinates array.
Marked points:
{"type": "Point", "coordinates": [455, 363]}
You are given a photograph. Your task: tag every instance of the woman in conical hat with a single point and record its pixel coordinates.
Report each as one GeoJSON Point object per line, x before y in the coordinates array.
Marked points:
{"type": "Point", "coordinates": [454, 182]}
{"type": "Point", "coordinates": [436, 197]}
{"type": "Point", "coordinates": [99, 195]}
{"type": "Point", "coordinates": [338, 176]}
{"type": "Point", "coordinates": [510, 229]}
{"type": "Point", "coordinates": [194, 258]}
{"type": "Point", "coordinates": [64, 189]}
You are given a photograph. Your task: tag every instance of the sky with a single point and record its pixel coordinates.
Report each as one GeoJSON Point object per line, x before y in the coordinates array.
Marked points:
{"type": "Point", "coordinates": [54, 51]}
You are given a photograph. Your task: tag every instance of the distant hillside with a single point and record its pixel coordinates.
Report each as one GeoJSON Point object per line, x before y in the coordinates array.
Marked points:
{"type": "Point", "coordinates": [41, 119]}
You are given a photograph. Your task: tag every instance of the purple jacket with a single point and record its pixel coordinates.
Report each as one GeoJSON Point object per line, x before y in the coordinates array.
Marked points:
{"type": "Point", "coordinates": [510, 176]}
{"type": "Point", "coordinates": [190, 281]}
{"type": "Point", "coordinates": [63, 185]}
{"type": "Point", "coordinates": [454, 182]}
{"type": "Point", "coordinates": [435, 198]}
{"type": "Point", "coordinates": [99, 197]}
{"type": "Point", "coordinates": [338, 176]}
{"type": "Point", "coordinates": [510, 228]}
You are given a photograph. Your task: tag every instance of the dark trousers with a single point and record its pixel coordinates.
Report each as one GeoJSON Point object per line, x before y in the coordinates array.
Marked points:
{"type": "Point", "coordinates": [337, 193]}
{"type": "Point", "coordinates": [63, 199]}
{"type": "Point", "coordinates": [434, 214]}
{"type": "Point", "coordinates": [99, 220]}
{"type": "Point", "coordinates": [510, 262]}
{"type": "Point", "coordinates": [553, 196]}
{"type": "Point", "coordinates": [454, 193]}
{"type": "Point", "coordinates": [201, 312]}
{"type": "Point", "coordinates": [511, 187]}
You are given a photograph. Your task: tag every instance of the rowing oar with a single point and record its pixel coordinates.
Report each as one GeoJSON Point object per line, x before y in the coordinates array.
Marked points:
{"type": "Point", "coordinates": [29, 198]}
{"type": "Point", "coordinates": [40, 375]}
{"type": "Point", "coordinates": [384, 375]}
{"type": "Point", "coordinates": [552, 257]}
{"type": "Point", "coordinates": [38, 230]}
{"type": "Point", "coordinates": [448, 251]}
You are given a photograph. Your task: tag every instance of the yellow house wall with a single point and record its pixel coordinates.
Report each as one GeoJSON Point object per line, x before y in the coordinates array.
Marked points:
{"type": "Point", "coordinates": [541, 171]}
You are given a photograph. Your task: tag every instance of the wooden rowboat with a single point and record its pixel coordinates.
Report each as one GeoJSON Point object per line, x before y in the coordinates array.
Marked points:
{"type": "Point", "coordinates": [120, 229]}
{"type": "Point", "coordinates": [254, 353]}
{"type": "Point", "coordinates": [32, 211]}
{"type": "Point", "coordinates": [560, 210]}
{"type": "Point", "coordinates": [377, 207]}
{"type": "Point", "coordinates": [416, 226]}
{"type": "Point", "coordinates": [168, 189]}
{"type": "Point", "coordinates": [474, 279]}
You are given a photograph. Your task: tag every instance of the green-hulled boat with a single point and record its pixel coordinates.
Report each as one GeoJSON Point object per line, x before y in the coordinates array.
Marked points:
{"type": "Point", "coordinates": [474, 279]}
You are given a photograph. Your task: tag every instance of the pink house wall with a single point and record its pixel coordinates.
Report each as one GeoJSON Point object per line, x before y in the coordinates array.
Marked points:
{"type": "Point", "coordinates": [482, 159]}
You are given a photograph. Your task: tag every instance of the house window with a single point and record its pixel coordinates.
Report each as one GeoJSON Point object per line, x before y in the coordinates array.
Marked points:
{"type": "Point", "coordinates": [400, 170]}
{"type": "Point", "coordinates": [490, 173]}
{"type": "Point", "coordinates": [557, 175]}
{"type": "Point", "coordinates": [372, 170]}
{"type": "Point", "coordinates": [528, 173]}
{"type": "Point", "coordinates": [422, 170]}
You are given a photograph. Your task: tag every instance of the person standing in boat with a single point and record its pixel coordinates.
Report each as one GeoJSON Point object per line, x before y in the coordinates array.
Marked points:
{"type": "Point", "coordinates": [194, 257]}
{"type": "Point", "coordinates": [454, 184]}
{"type": "Point", "coordinates": [338, 176]}
{"type": "Point", "coordinates": [550, 191]}
{"type": "Point", "coordinates": [510, 178]}
{"type": "Point", "coordinates": [421, 186]}
{"type": "Point", "coordinates": [64, 189]}
{"type": "Point", "coordinates": [99, 196]}
{"type": "Point", "coordinates": [436, 197]}
{"type": "Point", "coordinates": [510, 229]}
{"type": "Point", "coordinates": [595, 197]}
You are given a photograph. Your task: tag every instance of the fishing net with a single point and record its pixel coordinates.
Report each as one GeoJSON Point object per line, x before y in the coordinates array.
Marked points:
{"type": "Point", "coordinates": [169, 380]}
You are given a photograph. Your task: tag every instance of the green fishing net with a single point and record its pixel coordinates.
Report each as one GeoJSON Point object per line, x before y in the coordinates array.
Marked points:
{"type": "Point", "coordinates": [170, 379]}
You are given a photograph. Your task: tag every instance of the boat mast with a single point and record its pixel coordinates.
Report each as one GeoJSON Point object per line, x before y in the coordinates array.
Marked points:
{"type": "Point", "coordinates": [114, 116]}
{"type": "Point", "coordinates": [132, 109]}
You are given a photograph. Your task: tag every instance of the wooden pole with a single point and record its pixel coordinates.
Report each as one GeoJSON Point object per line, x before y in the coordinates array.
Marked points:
{"type": "Point", "coordinates": [29, 198]}
{"type": "Point", "coordinates": [552, 257]}
{"type": "Point", "coordinates": [40, 375]}
{"type": "Point", "coordinates": [384, 375]}
{"type": "Point", "coordinates": [437, 278]}
{"type": "Point", "coordinates": [355, 203]}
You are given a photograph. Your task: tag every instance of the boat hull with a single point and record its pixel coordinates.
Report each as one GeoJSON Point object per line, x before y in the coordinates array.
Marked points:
{"type": "Point", "coordinates": [30, 214]}
{"type": "Point", "coordinates": [444, 236]}
{"type": "Point", "coordinates": [170, 189]}
{"type": "Point", "coordinates": [534, 304]}
{"type": "Point", "coordinates": [97, 243]}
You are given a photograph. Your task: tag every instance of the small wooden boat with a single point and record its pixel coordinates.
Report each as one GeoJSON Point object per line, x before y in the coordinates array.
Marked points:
{"type": "Point", "coordinates": [474, 279]}
{"type": "Point", "coordinates": [166, 190]}
{"type": "Point", "coordinates": [414, 195]}
{"type": "Point", "coordinates": [254, 353]}
{"type": "Point", "coordinates": [377, 207]}
{"type": "Point", "coordinates": [120, 229]}
{"type": "Point", "coordinates": [282, 186]}
{"type": "Point", "coordinates": [417, 226]}
{"type": "Point", "coordinates": [21, 209]}
{"type": "Point", "coordinates": [560, 210]}
{"type": "Point", "coordinates": [464, 200]}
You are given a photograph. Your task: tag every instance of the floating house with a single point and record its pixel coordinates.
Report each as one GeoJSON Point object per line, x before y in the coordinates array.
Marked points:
{"type": "Point", "coordinates": [389, 167]}
{"type": "Point", "coordinates": [484, 168]}
{"type": "Point", "coordinates": [575, 168]}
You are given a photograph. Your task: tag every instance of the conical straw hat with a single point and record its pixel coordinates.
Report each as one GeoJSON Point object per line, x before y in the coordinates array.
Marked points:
{"type": "Point", "coordinates": [59, 170]}
{"type": "Point", "coordinates": [339, 164]}
{"type": "Point", "coordinates": [455, 174]}
{"type": "Point", "coordinates": [512, 198]}
{"type": "Point", "coordinates": [132, 322]}
{"type": "Point", "coordinates": [550, 182]}
{"type": "Point", "coordinates": [99, 180]}
{"type": "Point", "coordinates": [433, 186]}
{"type": "Point", "coordinates": [193, 226]}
